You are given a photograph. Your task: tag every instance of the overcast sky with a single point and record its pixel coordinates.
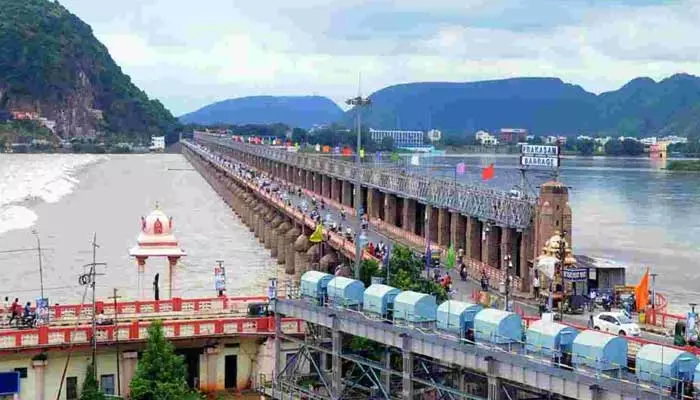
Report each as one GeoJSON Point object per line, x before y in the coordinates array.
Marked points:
{"type": "Point", "coordinates": [190, 53]}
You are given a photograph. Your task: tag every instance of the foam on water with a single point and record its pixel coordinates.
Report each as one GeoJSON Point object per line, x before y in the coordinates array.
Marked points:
{"type": "Point", "coordinates": [25, 179]}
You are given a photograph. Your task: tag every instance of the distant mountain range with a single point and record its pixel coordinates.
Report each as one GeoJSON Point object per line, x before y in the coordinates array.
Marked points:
{"type": "Point", "coordinates": [296, 111]}
{"type": "Point", "coordinates": [542, 105]}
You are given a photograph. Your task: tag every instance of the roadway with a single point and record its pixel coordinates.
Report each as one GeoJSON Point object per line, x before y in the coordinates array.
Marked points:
{"type": "Point", "coordinates": [461, 290]}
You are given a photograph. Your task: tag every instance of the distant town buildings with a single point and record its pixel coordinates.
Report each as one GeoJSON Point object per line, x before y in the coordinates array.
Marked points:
{"type": "Point", "coordinates": [402, 139]}
{"type": "Point", "coordinates": [157, 143]}
{"type": "Point", "coordinates": [512, 135]}
{"type": "Point", "coordinates": [434, 135]}
{"type": "Point", "coordinates": [486, 139]}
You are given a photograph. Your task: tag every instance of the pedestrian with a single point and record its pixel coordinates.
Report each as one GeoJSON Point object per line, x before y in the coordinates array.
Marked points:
{"type": "Point", "coordinates": [156, 289]}
{"type": "Point", "coordinates": [536, 285]}
{"type": "Point", "coordinates": [16, 310]}
{"type": "Point", "coordinates": [462, 271]}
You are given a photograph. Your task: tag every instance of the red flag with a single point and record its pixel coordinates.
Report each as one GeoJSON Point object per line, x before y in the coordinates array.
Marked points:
{"type": "Point", "coordinates": [347, 151]}
{"type": "Point", "coordinates": [488, 172]}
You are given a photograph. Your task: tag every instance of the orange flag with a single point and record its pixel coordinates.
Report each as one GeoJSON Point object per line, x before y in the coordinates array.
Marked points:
{"type": "Point", "coordinates": [488, 172]}
{"type": "Point", "coordinates": [641, 292]}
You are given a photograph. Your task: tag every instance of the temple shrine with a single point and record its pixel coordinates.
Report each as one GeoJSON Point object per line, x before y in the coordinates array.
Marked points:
{"type": "Point", "coordinates": [156, 239]}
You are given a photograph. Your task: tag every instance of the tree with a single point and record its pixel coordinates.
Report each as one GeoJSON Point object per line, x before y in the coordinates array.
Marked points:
{"type": "Point", "coordinates": [160, 374]}
{"type": "Point", "coordinates": [387, 143]}
{"type": "Point", "coordinates": [91, 391]}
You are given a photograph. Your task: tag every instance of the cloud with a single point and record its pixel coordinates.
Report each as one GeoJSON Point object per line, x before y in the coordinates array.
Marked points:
{"type": "Point", "coordinates": [191, 53]}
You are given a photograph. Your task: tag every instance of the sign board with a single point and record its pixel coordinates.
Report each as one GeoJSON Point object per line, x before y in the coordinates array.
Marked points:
{"type": "Point", "coordinates": [576, 274]}
{"type": "Point", "coordinates": [219, 278]}
{"type": "Point", "coordinates": [42, 311]}
{"type": "Point", "coordinates": [537, 161]}
{"type": "Point", "coordinates": [9, 383]}
{"type": "Point", "coordinates": [539, 150]}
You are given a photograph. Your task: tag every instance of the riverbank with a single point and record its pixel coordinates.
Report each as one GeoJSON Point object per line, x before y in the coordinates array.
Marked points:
{"type": "Point", "coordinates": [684, 165]}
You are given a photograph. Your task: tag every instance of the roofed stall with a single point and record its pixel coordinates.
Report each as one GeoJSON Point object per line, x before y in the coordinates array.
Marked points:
{"type": "Point", "coordinates": [379, 299]}
{"type": "Point", "coordinates": [415, 307]}
{"type": "Point", "coordinates": [314, 285]}
{"type": "Point", "coordinates": [600, 351]}
{"type": "Point", "coordinates": [457, 316]}
{"type": "Point", "coordinates": [345, 292]}
{"type": "Point", "coordinates": [498, 326]}
{"type": "Point", "coordinates": [550, 339]}
{"type": "Point", "coordinates": [664, 366]}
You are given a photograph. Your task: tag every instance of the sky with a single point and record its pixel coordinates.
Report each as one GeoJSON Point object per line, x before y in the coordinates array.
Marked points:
{"type": "Point", "coordinates": [191, 53]}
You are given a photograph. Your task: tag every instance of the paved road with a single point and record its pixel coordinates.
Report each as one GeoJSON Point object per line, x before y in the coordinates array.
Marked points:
{"type": "Point", "coordinates": [462, 290]}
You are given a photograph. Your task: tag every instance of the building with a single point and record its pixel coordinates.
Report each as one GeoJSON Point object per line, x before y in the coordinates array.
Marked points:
{"type": "Point", "coordinates": [157, 143]}
{"type": "Point", "coordinates": [513, 135]}
{"type": "Point", "coordinates": [434, 135]}
{"type": "Point", "coordinates": [486, 139]}
{"type": "Point", "coordinates": [402, 139]}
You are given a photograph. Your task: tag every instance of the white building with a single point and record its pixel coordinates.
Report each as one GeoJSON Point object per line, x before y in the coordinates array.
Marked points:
{"type": "Point", "coordinates": [402, 139]}
{"type": "Point", "coordinates": [157, 143]}
{"type": "Point", "coordinates": [649, 141]}
{"type": "Point", "coordinates": [434, 135]}
{"type": "Point", "coordinates": [486, 138]}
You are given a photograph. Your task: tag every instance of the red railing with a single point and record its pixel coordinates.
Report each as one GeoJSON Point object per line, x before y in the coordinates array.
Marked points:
{"type": "Point", "coordinates": [47, 336]}
{"type": "Point", "coordinates": [152, 307]}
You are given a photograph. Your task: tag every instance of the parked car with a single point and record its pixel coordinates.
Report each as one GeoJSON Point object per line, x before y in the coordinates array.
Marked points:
{"type": "Point", "coordinates": [617, 323]}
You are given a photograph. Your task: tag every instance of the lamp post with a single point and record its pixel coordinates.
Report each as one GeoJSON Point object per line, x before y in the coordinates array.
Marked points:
{"type": "Point", "coordinates": [41, 268]}
{"type": "Point", "coordinates": [358, 102]}
{"type": "Point", "coordinates": [653, 297]}
{"type": "Point", "coordinates": [508, 263]}
{"type": "Point", "coordinates": [562, 256]}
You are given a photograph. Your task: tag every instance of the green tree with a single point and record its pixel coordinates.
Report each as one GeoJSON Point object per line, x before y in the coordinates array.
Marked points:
{"type": "Point", "coordinates": [387, 144]}
{"type": "Point", "coordinates": [160, 374]}
{"type": "Point", "coordinates": [91, 391]}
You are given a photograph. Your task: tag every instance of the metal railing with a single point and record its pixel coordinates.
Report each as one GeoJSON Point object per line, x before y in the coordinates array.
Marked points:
{"type": "Point", "coordinates": [480, 202]}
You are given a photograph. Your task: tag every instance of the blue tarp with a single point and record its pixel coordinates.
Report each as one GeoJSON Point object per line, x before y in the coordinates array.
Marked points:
{"type": "Point", "coordinates": [314, 284]}
{"type": "Point", "coordinates": [600, 351]}
{"type": "Point", "coordinates": [498, 326]}
{"type": "Point", "coordinates": [345, 292]}
{"type": "Point", "coordinates": [415, 307]}
{"type": "Point", "coordinates": [697, 378]}
{"type": "Point", "coordinates": [663, 365]}
{"type": "Point", "coordinates": [550, 338]}
{"type": "Point", "coordinates": [379, 299]}
{"type": "Point", "coordinates": [457, 316]}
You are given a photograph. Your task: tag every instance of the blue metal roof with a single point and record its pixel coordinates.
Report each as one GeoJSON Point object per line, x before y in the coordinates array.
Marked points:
{"type": "Point", "coordinates": [345, 291]}
{"type": "Point", "coordinates": [415, 307]}
{"type": "Point", "coordinates": [599, 350]}
{"type": "Point", "coordinates": [662, 365]}
{"type": "Point", "coordinates": [377, 298]}
{"type": "Point", "coordinates": [498, 326]}
{"type": "Point", "coordinates": [550, 338]}
{"type": "Point", "coordinates": [457, 316]}
{"type": "Point", "coordinates": [315, 276]}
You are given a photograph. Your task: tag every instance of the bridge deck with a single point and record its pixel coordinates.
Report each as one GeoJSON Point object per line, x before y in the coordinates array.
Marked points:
{"type": "Point", "coordinates": [479, 202]}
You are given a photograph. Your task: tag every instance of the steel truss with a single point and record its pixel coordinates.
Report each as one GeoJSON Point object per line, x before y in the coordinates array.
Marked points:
{"type": "Point", "coordinates": [476, 201]}
{"type": "Point", "coordinates": [427, 376]}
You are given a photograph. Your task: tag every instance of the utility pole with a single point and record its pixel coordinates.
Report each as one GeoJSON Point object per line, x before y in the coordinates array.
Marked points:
{"type": "Point", "coordinates": [116, 336]}
{"type": "Point", "coordinates": [41, 268]}
{"type": "Point", "coordinates": [358, 102]}
{"type": "Point", "coordinates": [94, 304]}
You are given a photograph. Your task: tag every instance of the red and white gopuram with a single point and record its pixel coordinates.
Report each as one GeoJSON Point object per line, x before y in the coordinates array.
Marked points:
{"type": "Point", "coordinates": [156, 240]}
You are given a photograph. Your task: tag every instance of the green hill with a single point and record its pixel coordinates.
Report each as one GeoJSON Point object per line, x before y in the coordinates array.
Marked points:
{"type": "Point", "coordinates": [51, 64]}
{"type": "Point", "coordinates": [542, 105]}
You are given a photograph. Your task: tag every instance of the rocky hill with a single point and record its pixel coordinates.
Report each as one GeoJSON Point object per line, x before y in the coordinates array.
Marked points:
{"type": "Point", "coordinates": [542, 105]}
{"type": "Point", "coordinates": [296, 111]}
{"type": "Point", "coordinates": [53, 67]}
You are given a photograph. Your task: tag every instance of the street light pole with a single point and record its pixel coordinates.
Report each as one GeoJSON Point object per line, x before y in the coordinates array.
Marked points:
{"type": "Point", "coordinates": [358, 102]}
{"type": "Point", "coordinates": [41, 268]}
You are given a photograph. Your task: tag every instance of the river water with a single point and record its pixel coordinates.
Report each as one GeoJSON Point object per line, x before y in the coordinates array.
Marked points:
{"type": "Point", "coordinates": [628, 210]}
{"type": "Point", "coordinates": [68, 198]}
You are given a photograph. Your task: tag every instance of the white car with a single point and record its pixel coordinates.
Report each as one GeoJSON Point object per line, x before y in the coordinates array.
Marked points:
{"type": "Point", "coordinates": [617, 323]}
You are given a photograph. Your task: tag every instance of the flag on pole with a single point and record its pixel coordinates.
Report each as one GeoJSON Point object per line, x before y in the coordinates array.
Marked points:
{"type": "Point", "coordinates": [394, 157]}
{"type": "Point", "coordinates": [318, 147]}
{"type": "Point", "coordinates": [317, 236]}
{"type": "Point", "coordinates": [451, 258]}
{"type": "Point", "coordinates": [415, 159]}
{"type": "Point", "coordinates": [461, 168]}
{"type": "Point", "coordinates": [362, 153]}
{"type": "Point", "coordinates": [378, 155]}
{"type": "Point", "coordinates": [488, 172]}
{"type": "Point", "coordinates": [347, 151]}
{"type": "Point", "coordinates": [641, 292]}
